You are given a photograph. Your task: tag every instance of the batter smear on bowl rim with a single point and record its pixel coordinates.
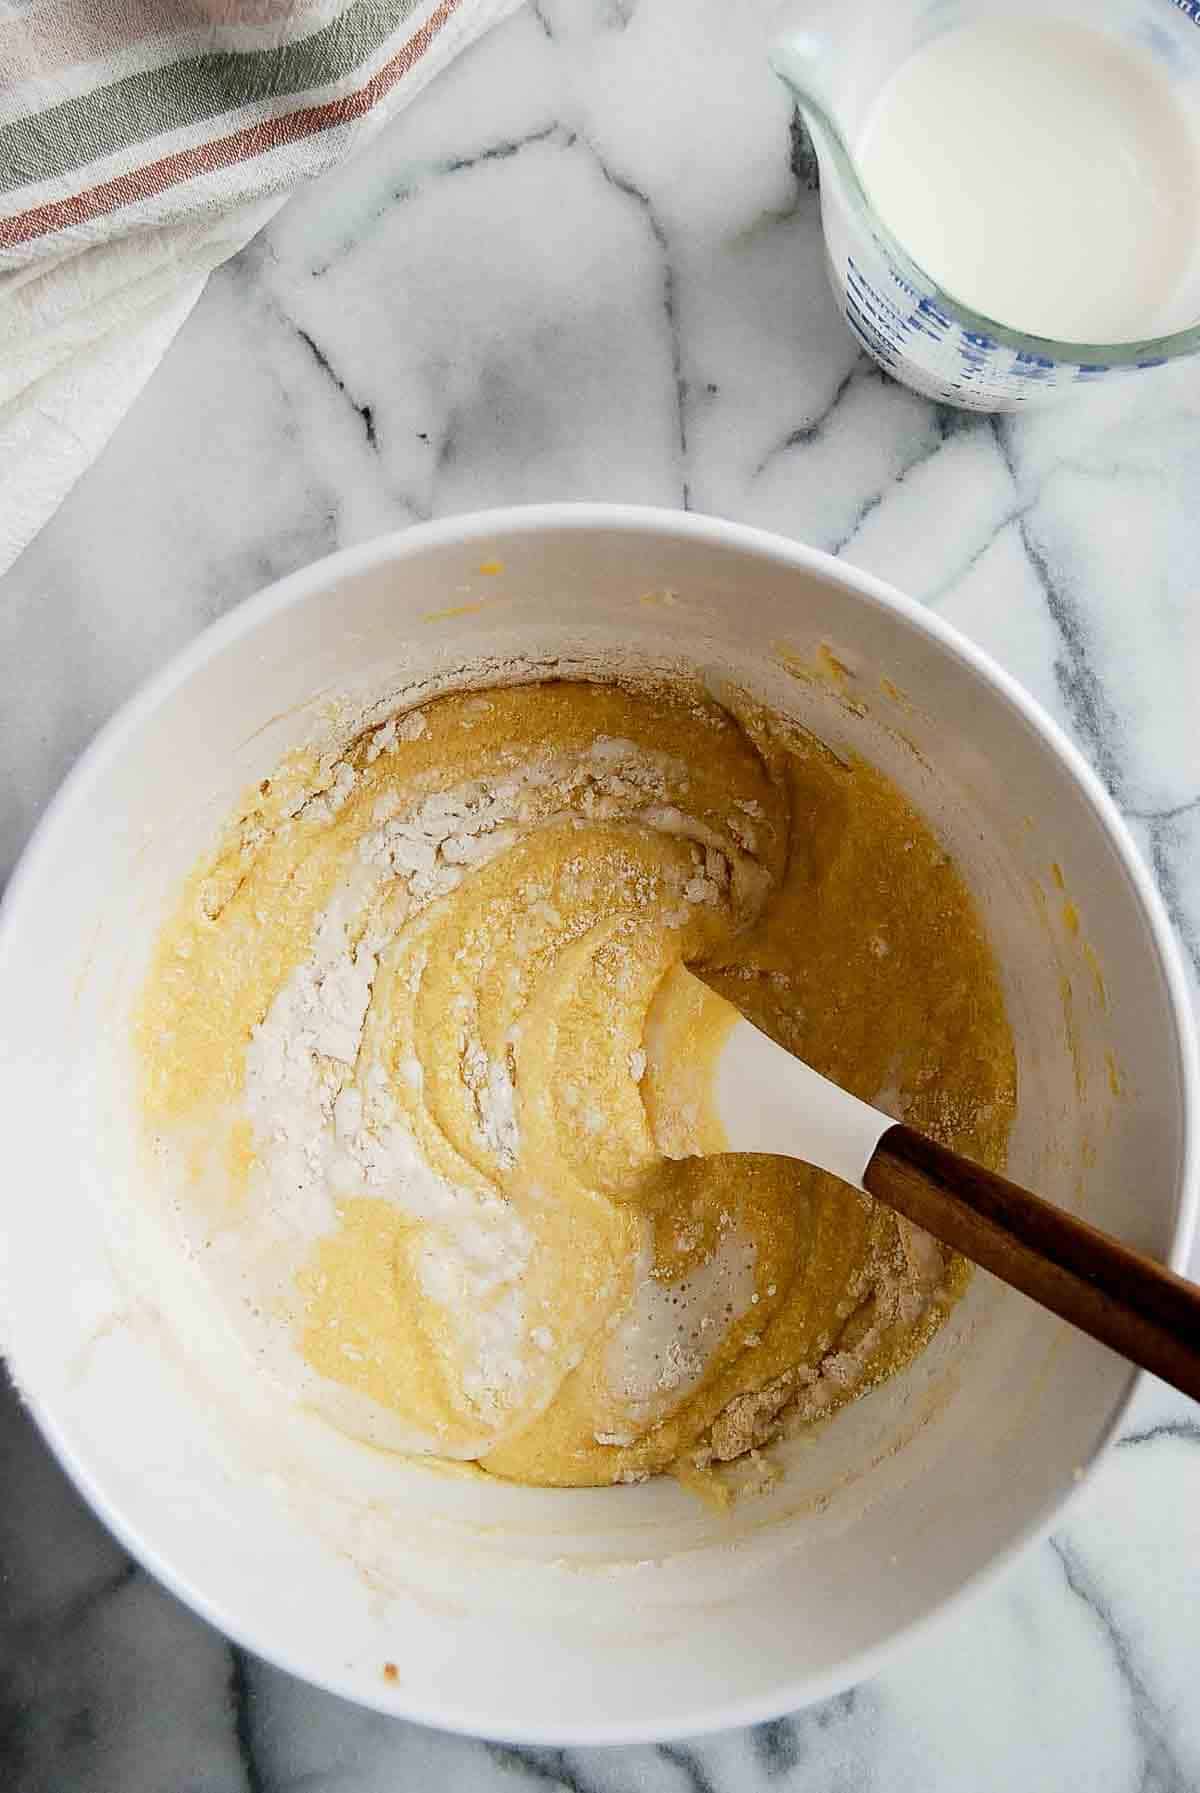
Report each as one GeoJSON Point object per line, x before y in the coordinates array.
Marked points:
{"type": "Point", "coordinates": [396, 1076]}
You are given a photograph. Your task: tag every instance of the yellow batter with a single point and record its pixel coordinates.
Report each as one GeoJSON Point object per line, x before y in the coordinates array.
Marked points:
{"type": "Point", "coordinates": [394, 1056]}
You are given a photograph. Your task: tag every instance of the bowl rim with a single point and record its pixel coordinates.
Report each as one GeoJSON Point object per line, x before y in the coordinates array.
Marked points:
{"type": "Point", "coordinates": [492, 525]}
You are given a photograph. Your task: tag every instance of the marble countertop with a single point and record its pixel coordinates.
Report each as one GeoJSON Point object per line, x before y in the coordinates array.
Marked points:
{"type": "Point", "coordinates": [587, 264]}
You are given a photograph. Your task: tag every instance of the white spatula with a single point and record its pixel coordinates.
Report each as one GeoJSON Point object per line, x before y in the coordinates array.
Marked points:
{"type": "Point", "coordinates": [769, 1101]}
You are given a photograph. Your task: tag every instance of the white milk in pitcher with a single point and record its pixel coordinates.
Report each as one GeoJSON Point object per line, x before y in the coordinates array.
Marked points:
{"type": "Point", "coordinates": [1042, 174]}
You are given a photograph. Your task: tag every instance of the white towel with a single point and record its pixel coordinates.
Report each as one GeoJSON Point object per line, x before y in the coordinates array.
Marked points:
{"type": "Point", "coordinates": [142, 143]}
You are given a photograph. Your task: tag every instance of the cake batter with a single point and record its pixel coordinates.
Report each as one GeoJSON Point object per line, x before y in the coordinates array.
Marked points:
{"type": "Point", "coordinates": [395, 1068]}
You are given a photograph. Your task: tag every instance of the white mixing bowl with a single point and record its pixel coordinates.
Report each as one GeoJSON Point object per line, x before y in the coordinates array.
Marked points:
{"type": "Point", "coordinates": [592, 1615]}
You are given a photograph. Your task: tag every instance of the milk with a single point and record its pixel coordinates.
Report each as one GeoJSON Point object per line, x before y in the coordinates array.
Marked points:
{"type": "Point", "coordinates": [1043, 174]}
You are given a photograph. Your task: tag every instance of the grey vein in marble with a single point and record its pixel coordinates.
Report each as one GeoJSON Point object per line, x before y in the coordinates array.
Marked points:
{"type": "Point", "coordinates": [1160, 1770]}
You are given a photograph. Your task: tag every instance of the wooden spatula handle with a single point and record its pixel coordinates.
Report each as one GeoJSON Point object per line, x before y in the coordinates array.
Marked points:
{"type": "Point", "coordinates": [1120, 1297]}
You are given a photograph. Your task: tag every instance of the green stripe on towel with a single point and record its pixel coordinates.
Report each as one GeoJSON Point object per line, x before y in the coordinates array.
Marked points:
{"type": "Point", "coordinates": [144, 106]}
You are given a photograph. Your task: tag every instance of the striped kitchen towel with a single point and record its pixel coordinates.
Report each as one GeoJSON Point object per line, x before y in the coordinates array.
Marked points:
{"type": "Point", "coordinates": [142, 142]}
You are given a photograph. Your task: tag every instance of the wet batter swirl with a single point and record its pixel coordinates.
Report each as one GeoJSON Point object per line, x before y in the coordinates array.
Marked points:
{"type": "Point", "coordinates": [395, 1070]}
